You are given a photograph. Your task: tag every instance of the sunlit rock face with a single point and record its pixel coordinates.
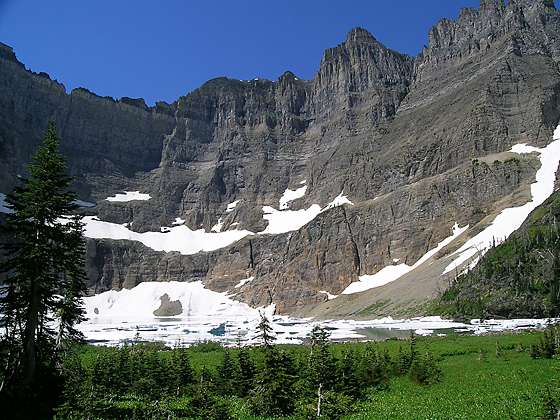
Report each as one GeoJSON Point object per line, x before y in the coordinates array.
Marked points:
{"type": "Point", "coordinates": [416, 145]}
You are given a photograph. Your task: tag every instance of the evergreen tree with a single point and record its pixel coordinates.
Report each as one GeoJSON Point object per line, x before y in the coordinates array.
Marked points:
{"type": "Point", "coordinates": [274, 394]}
{"type": "Point", "coordinates": [265, 332]}
{"type": "Point", "coordinates": [228, 375]}
{"type": "Point", "coordinates": [247, 371]}
{"type": "Point", "coordinates": [44, 268]}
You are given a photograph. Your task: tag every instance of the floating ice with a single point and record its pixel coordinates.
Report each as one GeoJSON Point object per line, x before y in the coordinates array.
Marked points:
{"type": "Point", "coordinates": [510, 219]}
{"type": "Point", "coordinates": [178, 238]}
{"type": "Point", "coordinates": [393, 272]}
{"type": "Point", "coordinates": [129, 196]}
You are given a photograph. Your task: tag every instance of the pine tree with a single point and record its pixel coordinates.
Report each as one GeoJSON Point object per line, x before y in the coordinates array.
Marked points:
{"type": "Point", "coordinates": [247, 371]}
{"type": "Point", "coordinates": [265, 331]}
{"type": "Point", "coordinates": [228, 375]}
{"type": "Point", "coordinates": [44, 266]}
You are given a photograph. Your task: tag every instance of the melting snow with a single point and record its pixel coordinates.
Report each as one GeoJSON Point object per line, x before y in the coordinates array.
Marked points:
{"type": "Point", "coordinates": [178, 238]}
{"type": "Point", "coordinates": [244, 282]}
{"type": "Point", "coordinates": [129, 196]}
{"type": "Point", "coordinates": [393, 272]}
{"type": "Point", "coordinates": [291, 195]}
{"type": "Point", "coordinates": [330, 296]}
{"type": "Point", "coordinates": [510, 219]}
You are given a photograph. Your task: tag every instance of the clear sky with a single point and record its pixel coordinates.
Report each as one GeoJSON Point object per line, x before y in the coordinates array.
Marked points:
{"type": "Point", "coordinates": [162, 49]}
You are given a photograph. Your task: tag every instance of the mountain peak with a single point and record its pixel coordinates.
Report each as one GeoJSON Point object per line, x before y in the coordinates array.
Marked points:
{"type": "Point", "coordinates": [360, 35]}
{"type": "Point", "coordinates": [7, 53]}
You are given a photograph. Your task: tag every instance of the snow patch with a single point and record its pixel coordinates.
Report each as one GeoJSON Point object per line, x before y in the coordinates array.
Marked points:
{"type": "Point", "coordinates": [178, 221]}
{"type": "Point", "coordinates": [339, 200]}
{"type": "Point", "coordinates": [393, 272]}
{"type": "Point", "coordinates": [218, 226]}
{"type": "Point", "coordinates": [129, 196]}
{"type": "Point", "coordinates": [232, 206]}
{"type": "Point", "coordinates": [510, 219]}
{"type": "Point", "coordinates": [4, 205]}
{"type": "Point", "coordinates": [291, 195]}
{"type": "Point", "coordinates": [330, 296]}
{"type": "Point", "coordinates": [288, 220]}
{"type": "Point", "coordinates": [178, 238]}
{"type": "Point", "coordinates": [244, 282]}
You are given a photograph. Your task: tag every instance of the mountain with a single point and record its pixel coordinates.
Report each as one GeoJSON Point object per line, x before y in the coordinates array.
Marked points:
{"type": "Point", "coordinates": [374, 174]}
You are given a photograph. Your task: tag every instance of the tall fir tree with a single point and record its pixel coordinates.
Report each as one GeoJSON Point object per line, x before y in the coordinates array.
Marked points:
{"type": "Point", "coordinates": [44, 267]}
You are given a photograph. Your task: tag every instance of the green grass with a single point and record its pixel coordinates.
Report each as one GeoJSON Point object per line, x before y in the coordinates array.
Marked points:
{"type": "Point", "coordinates": [472, 387]}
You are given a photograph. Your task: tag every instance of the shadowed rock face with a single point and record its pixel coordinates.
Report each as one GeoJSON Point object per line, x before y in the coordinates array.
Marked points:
{"type": "Point", "coordinates": [374, 123]}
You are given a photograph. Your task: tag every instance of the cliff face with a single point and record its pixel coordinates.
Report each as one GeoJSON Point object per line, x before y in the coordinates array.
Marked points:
{"type": "Point", "coordinates": [415, 143]}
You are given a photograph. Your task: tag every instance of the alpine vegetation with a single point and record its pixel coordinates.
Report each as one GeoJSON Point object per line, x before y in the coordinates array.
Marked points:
{"type": "Point", "coordinates": [41, 294]}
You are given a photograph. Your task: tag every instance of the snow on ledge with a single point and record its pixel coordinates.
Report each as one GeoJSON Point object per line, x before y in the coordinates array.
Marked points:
{"type": "Point", "coordinates": [291, 195]}
{"type": "Point", "coordinates": [393, 272]}
{"type": "Point", "coordinates": [511, 219]}
{"type": "Point", "coordinates": [232, 206]}
{"type": "Point", "coordinates": [283, 221]}
{"type": "Point", "coordinates": [129, 196]}
{"type": "Point", "coordinates": [178, 238]}
{"type": "Point", "coordinates": [244, 282]}
{"type": "Point", "coordinates": [339, 200]}
{"type": "Point", "coordinates": [288, 220]}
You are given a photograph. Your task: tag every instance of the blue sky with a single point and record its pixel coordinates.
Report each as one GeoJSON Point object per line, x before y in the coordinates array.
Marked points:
{"type": "Point", "coordinates": [160, 50]}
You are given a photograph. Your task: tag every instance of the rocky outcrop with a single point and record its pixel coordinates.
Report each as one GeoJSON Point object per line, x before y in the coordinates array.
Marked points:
{"type": "Point", "coordinates": [417, 144]}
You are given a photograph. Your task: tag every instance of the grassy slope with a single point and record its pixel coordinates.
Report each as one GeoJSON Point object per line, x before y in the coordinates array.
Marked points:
{"type": "Point", "coordinates": [519, 278]}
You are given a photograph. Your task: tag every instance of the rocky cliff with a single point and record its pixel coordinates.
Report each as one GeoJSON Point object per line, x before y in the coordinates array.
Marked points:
{"type": "Point", "coordinates": [416, 144]}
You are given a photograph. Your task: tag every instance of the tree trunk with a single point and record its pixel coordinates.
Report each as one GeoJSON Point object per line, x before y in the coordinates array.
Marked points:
{"type": "Point", "coordinates": [30, 337]}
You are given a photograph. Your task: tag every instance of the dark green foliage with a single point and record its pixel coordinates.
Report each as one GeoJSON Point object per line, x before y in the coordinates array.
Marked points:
{"type": "Point", "coordinates": [549, 344]}
{"type": "Point", "coordinates": [274, 393]}
{"type": "Point", "coordinates": [247, 372]}
{"type": "Point", "coordinates": [519, 278]}
{"type": "Point", "coordinates": [424, 370]}
{"type": "Point", "coordinates": [228, 379]}
{"type": "Point", "coordinates": [45, 275]}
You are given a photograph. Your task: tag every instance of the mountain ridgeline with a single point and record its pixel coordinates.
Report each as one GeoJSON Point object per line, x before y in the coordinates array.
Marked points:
{"type": "Point", "coordinates": [417, 144]}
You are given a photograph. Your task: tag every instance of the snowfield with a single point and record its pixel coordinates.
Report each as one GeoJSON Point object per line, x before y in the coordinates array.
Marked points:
{"type": "Point", "coordinates": [129, 196]}
{"type": "Point", "coordinates": [177, 238]}
{"type": "Point", "coordinates": [510, 219]}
